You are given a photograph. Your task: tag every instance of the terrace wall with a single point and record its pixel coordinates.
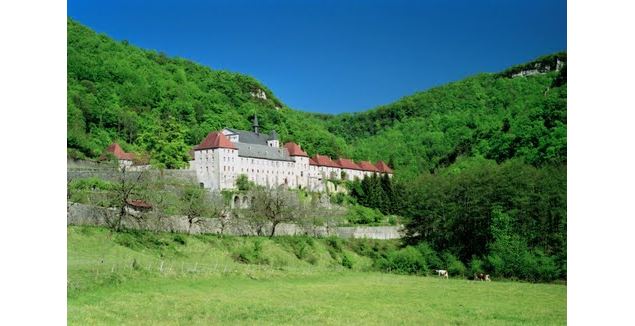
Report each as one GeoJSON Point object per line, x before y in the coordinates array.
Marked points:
{"type": "Point", "coordinates": [80, 214]}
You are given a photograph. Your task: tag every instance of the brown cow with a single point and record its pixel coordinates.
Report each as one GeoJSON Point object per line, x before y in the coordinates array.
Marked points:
{"type": "Point", "coordinates": [482, 277]}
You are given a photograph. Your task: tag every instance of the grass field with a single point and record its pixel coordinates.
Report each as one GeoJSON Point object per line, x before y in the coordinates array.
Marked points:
{"type": "Point", "coordinates": [169, 279]}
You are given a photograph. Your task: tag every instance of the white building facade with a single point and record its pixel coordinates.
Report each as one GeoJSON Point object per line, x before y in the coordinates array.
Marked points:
{"type": "Point", "coordinates": [224, 155]}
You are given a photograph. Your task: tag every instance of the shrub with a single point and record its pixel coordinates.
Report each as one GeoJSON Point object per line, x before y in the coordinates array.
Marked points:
{"type": "Point", "coordinates": [544, 267]}
{"type": "Point", "coordinates": [180, 239]}
{"type": "Point", "coordinates": [404, 261]}
{"type": "Point", "coordinates": [91, 183]}
{"type": "Point", "coordinates": [477, 266]}
{"type": "Point", "coordinates": [431, 256]}
{"type": "Point", "coordinates": [134, 239]}
{"type": "Point", "coordinates": [454, 266]}
{"type": "Point", "coordinates": [243, 183]}
{"type": "Point", "coordinates": [363, 215]}
{"type": "Point", "coordinates": [370, 248]}
{"type": "Point", "coordinates": [251, 254]}
{"type": "Point", "coordinates": [347, 262]}
{"type": "Point", "coordinates": [301, 246]}
{"type": "Point", "coordinates": [135, 265]}
{"type": "Point", "coordinates": [338, 198]}
{"type": "Point", "coordinates": [496, 264]}
{"type": "Point", "coordinates": [312, 259]}
{"type": "Point", "coordinates": [334, 247]}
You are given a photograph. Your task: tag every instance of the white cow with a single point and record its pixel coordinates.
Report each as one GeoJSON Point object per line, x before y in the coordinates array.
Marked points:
{"type": "Point", "coordinates": [441, 272]}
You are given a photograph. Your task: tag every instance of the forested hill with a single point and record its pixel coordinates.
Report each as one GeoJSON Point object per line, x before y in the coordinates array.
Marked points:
{"type": "Point", "coordinates": [162, 106]}
{"type": "Point", "coordinates": [154, 104]}
{"type": "Point", "coordinates": [497, 116]}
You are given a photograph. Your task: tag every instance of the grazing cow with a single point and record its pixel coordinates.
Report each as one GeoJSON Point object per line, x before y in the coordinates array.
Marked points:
{"type": "Point", "coordinates": [441, 272]}
{"type": "Point", "coordinates": [482, 277]}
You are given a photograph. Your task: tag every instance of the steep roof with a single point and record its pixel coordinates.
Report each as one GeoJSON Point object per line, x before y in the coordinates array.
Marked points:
{"type": "Point", "coordinates": [262, 151]}
{"type": "Point", "coordinates": [215, 140]}
{"type": "Point", "coordinates": [295, 149]}
{"type": "Point", "coordinates": [367, 166]}
{"type": "Point", "coordinates": [251, 137]}
{"type": "Point", "coordinates": [383, 167]}
{"type": "Point", "coordinates": [138, 203]}
{"type": "Point", "coordinates": [347, 164]}
{"type": "Point", "coordinates": [322, 160]}
{"type": "Point", "coordinates": [119, 153]}
{"type": "Point", "coordinates": [312, 161]}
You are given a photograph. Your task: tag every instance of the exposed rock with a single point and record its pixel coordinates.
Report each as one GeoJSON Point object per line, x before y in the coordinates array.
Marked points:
{"type": "Point", "coordinates": [259, 93]}
{"type": "Point", "coordinates": [540, 68]}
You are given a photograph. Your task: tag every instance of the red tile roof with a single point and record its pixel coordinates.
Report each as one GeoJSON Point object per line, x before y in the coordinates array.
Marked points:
{"type": "Point", "coordinates": [367, 166]}
{"type": "Point", "coordinates": [119, 153]}
{"type": "Point", "coordinates": [347, 164]}
{"type": "Point", "coordinates": [294, 149]}
{"type": "Point", "coordinates": [383, 167]}
{"type": "Point", "coordinates": [216, 140]}
{"type": "Point", "coordinates": [312, 161]}
{"type": "Point", "coordinates": [322, 160]}
{"type": "Point", "coordinates": [138, 203]}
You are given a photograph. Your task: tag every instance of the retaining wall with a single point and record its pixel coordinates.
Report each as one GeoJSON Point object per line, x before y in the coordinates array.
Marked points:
{"type": "Point", "coordinates": [81, 214]}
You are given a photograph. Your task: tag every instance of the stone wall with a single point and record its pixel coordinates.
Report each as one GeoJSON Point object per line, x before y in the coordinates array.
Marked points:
{"type": "Point", "coordinates": [80, 214]}
{"type": "Point", "coordinates": [113, 175]}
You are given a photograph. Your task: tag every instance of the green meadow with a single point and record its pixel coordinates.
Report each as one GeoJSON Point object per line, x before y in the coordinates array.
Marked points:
{"type": "Point", "coordinates": [149, 278]}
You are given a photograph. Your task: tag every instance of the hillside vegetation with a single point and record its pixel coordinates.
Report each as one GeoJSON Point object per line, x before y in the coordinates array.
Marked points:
{"type": "Point", "coordinates": [489, 115]}
{"type": "Point", "coordinates": [160, 105]}
{"type": "Point", "coordinates": [153, 103]}
{"type": "Point", "coordinates": [148, 278]}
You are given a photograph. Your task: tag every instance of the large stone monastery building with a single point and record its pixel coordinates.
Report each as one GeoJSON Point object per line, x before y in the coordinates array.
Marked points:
{"type": "Point", "coordinates": [224, 155]}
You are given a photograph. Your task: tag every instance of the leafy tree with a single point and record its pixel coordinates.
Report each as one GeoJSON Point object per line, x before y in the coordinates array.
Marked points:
{"type": "Point", "coordinates": [166, 144]}
{"type": "Point", "coordinates": [275, 206]}
{"type": "Point", "coordinates": [129, 186]}
{"type": "Point", "coordinates": [197, 203]}
{"type": "Point", "coordinates": [243, 183]}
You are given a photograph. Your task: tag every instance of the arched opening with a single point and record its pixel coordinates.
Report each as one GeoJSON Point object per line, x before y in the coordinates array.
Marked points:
{"type": "Point", "coordinates": [236, 202]}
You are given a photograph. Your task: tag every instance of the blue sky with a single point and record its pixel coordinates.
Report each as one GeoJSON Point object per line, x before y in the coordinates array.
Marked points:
{"type": "Point", "coordinates": [338, 56]}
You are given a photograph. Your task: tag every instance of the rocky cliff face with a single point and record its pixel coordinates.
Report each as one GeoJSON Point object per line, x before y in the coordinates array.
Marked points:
{"type": "Point", "coordinates": [259, 93]}
{"type": "Point", "coordinates": [540, 68]}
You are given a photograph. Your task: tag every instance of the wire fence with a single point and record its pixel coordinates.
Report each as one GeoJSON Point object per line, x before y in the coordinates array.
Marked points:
{"type": "Point", "coordinates": [103, 266]}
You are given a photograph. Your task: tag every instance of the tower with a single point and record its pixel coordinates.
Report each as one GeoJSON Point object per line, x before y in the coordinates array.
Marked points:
{"type": "Point", "coordinates": [273, 139]}
{"type": "Point", "coordinates": [255, 124]}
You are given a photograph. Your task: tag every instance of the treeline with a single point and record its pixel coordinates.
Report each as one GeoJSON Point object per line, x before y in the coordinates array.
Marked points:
{"type": "Point", "coordinates": [507, 219]}
{"type": "Point", "coordinates": [162, 106]}
{"type": "Point", "coordinates": [377, 191]}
